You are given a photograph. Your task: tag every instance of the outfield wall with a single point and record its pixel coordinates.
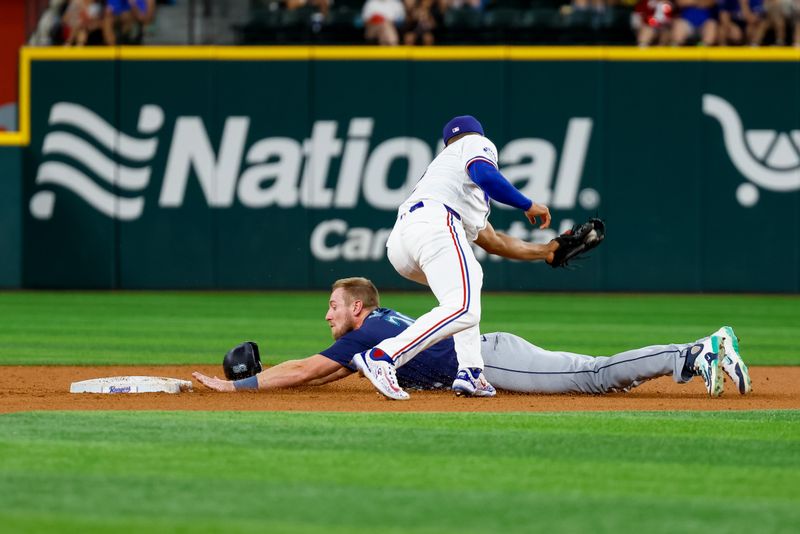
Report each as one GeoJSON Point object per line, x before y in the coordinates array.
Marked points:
{"type": "Point", "coordinates": [282, 168]}
{"type": "Point", "coordinates": [10, 217]}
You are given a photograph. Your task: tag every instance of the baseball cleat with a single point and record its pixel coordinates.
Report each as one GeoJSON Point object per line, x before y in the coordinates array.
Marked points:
{"type": "Point", "coordinates": [731, 361]}
{"type": "Point", "coordinates": [378, 367]}
{"type": "Point", "coordinates": [472, 383]}
{"type": "Point", "coordinates": [706, 364]}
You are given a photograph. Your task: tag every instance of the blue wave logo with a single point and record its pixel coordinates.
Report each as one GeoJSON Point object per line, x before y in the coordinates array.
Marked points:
{"type": "Point", "coordinates": [105, 170]}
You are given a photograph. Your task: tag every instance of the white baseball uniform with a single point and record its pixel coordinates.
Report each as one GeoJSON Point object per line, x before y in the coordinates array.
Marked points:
{"type": "Point", "coordinates": [430, 244]}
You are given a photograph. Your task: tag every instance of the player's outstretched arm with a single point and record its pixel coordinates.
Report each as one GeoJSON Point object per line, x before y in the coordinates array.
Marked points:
{"type": "Point", "coordinates": [341, 372]}
{"type": "Point", "coordinates": [494, 184]}
{"type": "Point", "coordinates": [504, 245]}
{"type": "Point", "coordinates": [314, 370]}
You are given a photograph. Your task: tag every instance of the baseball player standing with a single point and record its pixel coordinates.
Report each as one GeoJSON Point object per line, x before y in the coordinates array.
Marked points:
{"type": "Point", "coordinates": [430, 244]}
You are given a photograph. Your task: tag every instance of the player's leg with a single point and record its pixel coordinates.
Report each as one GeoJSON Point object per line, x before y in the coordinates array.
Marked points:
{"type": "Point", "coordinates": [470, 379]}
{"type": "Point", "coordinates": [435, 242]}
{"type": "Point", "coordinates": [402, 258]}
{"type": "Point", "coordinates": [431, 249]}
{"type": "Point", "coordinates": [513, 364]}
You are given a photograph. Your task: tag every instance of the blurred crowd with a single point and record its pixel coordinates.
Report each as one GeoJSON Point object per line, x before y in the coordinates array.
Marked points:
{"type": "Point", "coordinates": [716, 22]}
{"type": "Point", "coordinates": [426, 22]}
{"type": "Point", "coordinates": [94, 22]}
{"type": "Point", "coordinates": [654, 22]}
{"type": "Point", "coordinates": [395, 22]}
{"type": "Point", "coordinates": [410, 22]}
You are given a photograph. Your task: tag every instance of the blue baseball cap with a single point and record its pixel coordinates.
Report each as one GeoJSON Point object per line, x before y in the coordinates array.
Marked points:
{"type": "Point", "coordinates": [458, 125]}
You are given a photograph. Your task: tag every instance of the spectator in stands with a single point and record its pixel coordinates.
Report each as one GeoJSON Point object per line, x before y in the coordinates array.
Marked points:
{"type": "Point", "coordinates": [755, 20]}
{"type": "Point", "coordinates": [381, 18]}
{"type": "Point", "coordinates": [130, 19]}
{"type": "Point", "coordinates": [652, 21]}
{"type": "Point", "coordinates": [747, 21]}
{"type": "Point", "coordinates": [731, 23]}
{"type": "Point", "coordinates": [596, 5]}
{"type": "Point", "coordinates": [795, 17]}
{"type": "Point", "coordinates": [86, 22]}
{"type": "Point", "coordinates": [696, 21]}
{"type": "Point", "coordinates": [420, 22]}
{"type": "Point", "coordinates": [48, 29]}
{"type": "Point", "coordinates": [776, 13]}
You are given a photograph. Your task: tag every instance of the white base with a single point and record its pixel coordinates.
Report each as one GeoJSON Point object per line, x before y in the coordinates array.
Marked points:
{"type": "Point", "coordinates": [131, 384]}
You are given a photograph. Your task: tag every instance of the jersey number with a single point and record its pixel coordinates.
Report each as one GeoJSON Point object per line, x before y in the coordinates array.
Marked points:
{"type": "Point", "coordinates": [398, 319]}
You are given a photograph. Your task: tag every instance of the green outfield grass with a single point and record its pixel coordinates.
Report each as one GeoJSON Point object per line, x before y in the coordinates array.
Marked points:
{"type": "Point", "coordinates": [382, 472]}
{"type": "Point", "coordinates": [405, 473]}
{"type": "Point", "coordinates": [171, 328]}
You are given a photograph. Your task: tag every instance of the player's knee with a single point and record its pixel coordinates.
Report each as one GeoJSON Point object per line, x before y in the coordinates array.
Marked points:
{"type": "Point", "coordinates": [462, 312]}
{"type": "Point", "coordinates": [472, 316]}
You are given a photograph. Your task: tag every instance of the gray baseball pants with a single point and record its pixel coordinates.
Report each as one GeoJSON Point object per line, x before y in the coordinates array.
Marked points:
{"type": "Point", "coordinates": [513, 364]}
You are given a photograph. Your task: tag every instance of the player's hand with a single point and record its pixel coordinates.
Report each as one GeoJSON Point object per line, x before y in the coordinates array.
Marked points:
{"type": "Point", "coordinates": [539, 210]}
{"type": "Point", "coordinates": [214, 383]}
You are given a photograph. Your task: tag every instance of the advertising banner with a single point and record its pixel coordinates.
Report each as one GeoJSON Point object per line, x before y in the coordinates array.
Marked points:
{"type": "Point", "coordinates": [252, 173]}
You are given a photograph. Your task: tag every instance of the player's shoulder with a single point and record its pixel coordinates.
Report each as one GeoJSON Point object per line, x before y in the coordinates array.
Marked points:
{"type": "Point", "coordinates": [480, 145]}
{"type": "Point", "coordinates": [375, 319]}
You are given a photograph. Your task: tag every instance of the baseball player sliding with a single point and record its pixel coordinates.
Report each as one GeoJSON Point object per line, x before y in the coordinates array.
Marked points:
{"type": "Point", "coordinates": [357, 323]}
{"type": "Point", "coordinates": [447, 210]}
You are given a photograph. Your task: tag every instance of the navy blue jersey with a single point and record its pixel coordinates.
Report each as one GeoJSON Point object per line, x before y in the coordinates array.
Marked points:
{"type": "Point", "coordinates": [435, 367]}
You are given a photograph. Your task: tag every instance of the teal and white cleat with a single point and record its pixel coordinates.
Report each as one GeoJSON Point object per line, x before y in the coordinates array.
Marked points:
{"type": "Point", "coordinates": [706, 364]}
{"type": "Point", "coordinates": [731, 361]}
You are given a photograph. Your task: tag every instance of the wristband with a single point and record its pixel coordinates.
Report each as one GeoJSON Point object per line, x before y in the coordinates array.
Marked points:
{"type": "Point", "coordinates": [246, 383]}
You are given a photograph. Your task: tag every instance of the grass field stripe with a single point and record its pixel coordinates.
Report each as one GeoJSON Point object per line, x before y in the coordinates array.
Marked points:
{"type": "Point", "coordinates": [176, 472]}
{"type": "Point", "coordinates": [183, 327]}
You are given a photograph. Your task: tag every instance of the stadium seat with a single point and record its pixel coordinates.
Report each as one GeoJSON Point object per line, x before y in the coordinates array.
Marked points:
{"type": "Point", "coordinates": [545, 4]}
{"type": "Point", "coordinates": [616, 28]}
{"type": "Point", "coordinates": [355, 5]}
{"type": "Point", "coordinates": [261, 28]}
{"type": "Point", "coordinates": [539, 26]}
{"type": "Point", "coordinates": [501, 25]}
{"type": "Point", "coordinates": [343, 26]}
{"type": "Point", "coordinates": [295, 25]}
{"type": "Point", "coordinates": [462, 26]}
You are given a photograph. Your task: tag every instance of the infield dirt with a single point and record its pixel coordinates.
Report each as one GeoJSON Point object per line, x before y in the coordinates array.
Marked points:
{"type": "Point", "coordinates": [25, 388]}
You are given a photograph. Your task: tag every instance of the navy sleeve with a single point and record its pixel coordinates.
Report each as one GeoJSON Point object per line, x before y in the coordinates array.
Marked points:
{"type": "Point", "coordinates": [345, 347]}
{"type": "Point", "coordinates": [496, 186]}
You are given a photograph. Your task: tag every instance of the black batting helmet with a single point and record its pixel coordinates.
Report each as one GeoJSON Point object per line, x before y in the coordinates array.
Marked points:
{"type": "Point", "coordinates": [242, 361]}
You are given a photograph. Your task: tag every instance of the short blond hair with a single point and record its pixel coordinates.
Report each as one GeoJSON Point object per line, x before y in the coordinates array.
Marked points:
{"type": "Point", "coordinates": [358, 288]}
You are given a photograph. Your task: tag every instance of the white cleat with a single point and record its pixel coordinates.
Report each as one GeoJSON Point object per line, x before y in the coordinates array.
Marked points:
{"type": "Point", "coordinates": [706, 364]}
{"type": "Point", "coordinates": [472, 383]}
{"type": "Point", "coordinates": [378, 367]}
{"type": "Point", "coordinates": [731, 360]}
